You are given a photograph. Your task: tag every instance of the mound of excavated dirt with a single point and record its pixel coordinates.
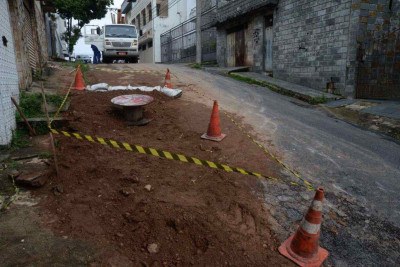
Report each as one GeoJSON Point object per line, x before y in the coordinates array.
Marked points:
{"type": "Point", "coordinates": [157, 212]}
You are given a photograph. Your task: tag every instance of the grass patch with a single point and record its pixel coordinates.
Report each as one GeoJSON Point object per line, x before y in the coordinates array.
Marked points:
{"type": "Point", "coordinates": [84, 67]}
{"type": "Point", "coordinates": [45, 155]}
{"type": "Point", "coordinates": [195, 66]}
{"type": "Point", "coordinates": [311, 100]}
{"type": "Point", "coordinates": [199, 66]}
{"type": "Point", "coordinates": [318, 100]}
{"type": "Point", "coordinates": [20, 139]}
{"type": "Point", "coordinates": [31, 104]}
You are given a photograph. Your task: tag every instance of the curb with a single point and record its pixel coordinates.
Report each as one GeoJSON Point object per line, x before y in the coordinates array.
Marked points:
{"type": "Point", "coordinates": [283, 91]}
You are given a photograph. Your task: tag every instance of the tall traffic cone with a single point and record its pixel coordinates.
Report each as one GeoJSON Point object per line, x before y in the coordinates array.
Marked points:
{"type": "Point", "coordinates": [303, 247]}
{"type": "Point", "coordinates": [79, 82]}
{"type": "Point", "coordinates": [214, 129]}
{"type": "Point", "coordinates": [168, 83]}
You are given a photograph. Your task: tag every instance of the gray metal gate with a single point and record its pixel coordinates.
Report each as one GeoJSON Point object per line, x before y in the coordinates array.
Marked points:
{"type": "Point", "coordinates": [178, 45]}
{"type": "Point", "coordinates": [379, 67]}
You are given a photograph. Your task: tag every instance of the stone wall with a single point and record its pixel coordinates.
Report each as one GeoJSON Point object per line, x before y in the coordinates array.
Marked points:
{"type": "Point", "coordinates": [8, 77]}
{"type": "Point", "coordinates": [312, 41]}
{"type": "Point", "coordinates": [317, 40]}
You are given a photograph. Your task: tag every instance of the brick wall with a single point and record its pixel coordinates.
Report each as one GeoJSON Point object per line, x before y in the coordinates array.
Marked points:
{"type": "Point", "coordinates": [8, 77]}
{"type": "Point", "coordinates": [317, 40]}
{"type": "Point", "coordinates": [311, 42]}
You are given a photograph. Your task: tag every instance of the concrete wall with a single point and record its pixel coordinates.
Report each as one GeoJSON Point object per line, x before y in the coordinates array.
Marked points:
{"type": "Point", "coordinates": [8, 77]}
{"type": "Point", "coordinates": [146, 56]}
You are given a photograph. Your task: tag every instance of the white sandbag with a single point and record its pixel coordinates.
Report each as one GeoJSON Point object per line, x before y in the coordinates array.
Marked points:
{"type": "Point", "coordinates": [105, 87]}
{"type": "Point", "coordinates": [114, 88]}
{"type": "Point", "coordinates": [98, 87]}
{"type": "Point", "coordinates": [171, 92]}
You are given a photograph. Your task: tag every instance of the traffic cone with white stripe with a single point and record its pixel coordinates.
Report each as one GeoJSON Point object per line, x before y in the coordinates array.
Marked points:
{"type": "Point", "coordinates": [303, 247]}
{"type": "Point", "coordinates": [168, 83]}
{"type": "Point", "coordinates": [214, 129]}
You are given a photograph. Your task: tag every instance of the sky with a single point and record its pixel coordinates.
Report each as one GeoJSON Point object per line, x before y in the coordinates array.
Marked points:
{"type": "Point", "coordinates": [82, 49]}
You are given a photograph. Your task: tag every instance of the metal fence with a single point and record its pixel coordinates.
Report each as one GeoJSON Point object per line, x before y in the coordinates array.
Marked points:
{"type": "Point", "coordinates": [179, 44]}
{"type": "Point", "coordinates": [379, 67]}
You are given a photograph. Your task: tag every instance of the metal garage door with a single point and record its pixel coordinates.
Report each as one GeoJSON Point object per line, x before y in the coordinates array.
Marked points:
{"type": "Point", "coordinates": [29, 39]}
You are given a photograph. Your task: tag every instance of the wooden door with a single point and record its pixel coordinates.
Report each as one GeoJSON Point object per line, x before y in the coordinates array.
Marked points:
{"type": "Point", "coordinates": [240, 48]}
{"type": "Point", "coordinates": [268, 48]}
{"type": "Point", "coordinates": [230, 50]}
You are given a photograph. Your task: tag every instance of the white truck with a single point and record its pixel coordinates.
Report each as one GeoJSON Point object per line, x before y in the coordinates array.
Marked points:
{"type": "Point", "coordinates": [115, 41]}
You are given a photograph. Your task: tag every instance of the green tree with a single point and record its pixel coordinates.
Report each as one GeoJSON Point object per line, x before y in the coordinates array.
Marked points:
{"type": "Point", "coordinates": [83, 11]}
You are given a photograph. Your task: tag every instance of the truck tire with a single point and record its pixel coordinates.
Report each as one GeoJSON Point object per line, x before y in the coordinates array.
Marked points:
{"type": "Point", "coordinates": [107, 60]}
{"type": "Point", "coordinates": [134, 60]}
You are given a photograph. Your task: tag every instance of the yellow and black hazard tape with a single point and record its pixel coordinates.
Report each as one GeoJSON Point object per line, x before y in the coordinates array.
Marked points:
{"type": "Point", "coordinates": [307, 184]}
{"type": "Point", "coordinates": [304, 182]}
{"type": "Point", "coordinates": [160, 153]}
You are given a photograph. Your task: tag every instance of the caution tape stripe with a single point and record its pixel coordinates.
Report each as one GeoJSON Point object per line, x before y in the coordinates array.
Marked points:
{"type": "Point", "coordinates": [158, 153]}
{"type": "Point", "coordinates": [306, 184]}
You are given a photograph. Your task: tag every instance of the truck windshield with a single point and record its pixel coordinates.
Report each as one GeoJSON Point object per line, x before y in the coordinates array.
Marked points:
{"type": "Point", "coordinates": [121, 31]}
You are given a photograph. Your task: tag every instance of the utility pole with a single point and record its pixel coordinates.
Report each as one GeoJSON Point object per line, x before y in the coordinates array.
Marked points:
{"type": "Point", "coordinates": [198, 31]}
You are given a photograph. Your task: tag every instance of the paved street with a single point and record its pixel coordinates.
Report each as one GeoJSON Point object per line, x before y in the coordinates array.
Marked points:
{"type": "Point", "coordinates": [359, 170]}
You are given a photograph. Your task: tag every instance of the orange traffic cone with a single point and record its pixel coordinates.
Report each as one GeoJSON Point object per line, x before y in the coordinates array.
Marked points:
{"type": "Point", "coordinates": [214, 129]}
{"type": "Point", "coordinates": [168, 83]}
{"type": "Point", "coordinates": [79, 82]}
{"type": "Point", "coordinates": [303, 247]}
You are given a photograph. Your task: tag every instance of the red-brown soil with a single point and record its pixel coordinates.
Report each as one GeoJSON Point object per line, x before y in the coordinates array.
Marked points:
{"type": "Point", "coordinates": [196, 216]}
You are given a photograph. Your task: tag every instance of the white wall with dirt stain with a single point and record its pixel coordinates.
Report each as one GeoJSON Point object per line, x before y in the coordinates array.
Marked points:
{"type": "Point", "coordinates": [8, 76]}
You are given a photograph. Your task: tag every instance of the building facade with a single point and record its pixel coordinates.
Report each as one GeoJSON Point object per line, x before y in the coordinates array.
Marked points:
{"type": "Point", "coordinates": [152, 18]}
{"type": "Point", "coordinates": [313, 43]}
{"type": "Point", "coordinates": [28, 23]}
{"type": "Point", "coordinates": [8, 76]}
{"type": "Point", "coordinates": [55, 28]}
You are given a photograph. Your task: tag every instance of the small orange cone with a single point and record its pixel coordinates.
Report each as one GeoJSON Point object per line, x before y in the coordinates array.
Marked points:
{"type": "Point", "coordinates": [303, 247]}
{"type": "Point", "coordinates": [79, 82]}
{"type": "Point", "coordinates": [168, 83]}
{"type": "Point", "coordinates": [214, 129]}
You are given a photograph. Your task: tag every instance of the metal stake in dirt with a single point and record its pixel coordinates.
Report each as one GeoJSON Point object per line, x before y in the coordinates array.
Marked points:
{"type": "Point", "coordinates": [32, 131]}
{"type": "Point", "coordinates": [53, 146]}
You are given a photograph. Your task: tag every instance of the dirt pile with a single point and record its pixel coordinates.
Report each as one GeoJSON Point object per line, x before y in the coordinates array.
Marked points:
{"type": "Point", "coordinates": [157, 212]}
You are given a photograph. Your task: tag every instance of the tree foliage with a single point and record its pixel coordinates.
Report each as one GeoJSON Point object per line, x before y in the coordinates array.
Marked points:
{"type": "Point", "coordinates": [81, 10]}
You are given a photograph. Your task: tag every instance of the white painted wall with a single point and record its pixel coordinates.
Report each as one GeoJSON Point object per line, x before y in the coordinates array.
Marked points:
{"type": "Point", "coordinates": [178, 12]}
{"type": "Point", "coordinates": [8, 77]}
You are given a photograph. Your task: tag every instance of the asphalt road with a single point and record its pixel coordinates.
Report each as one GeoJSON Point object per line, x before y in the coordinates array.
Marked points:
{"type": "Point", "coordinates": [359, 169]}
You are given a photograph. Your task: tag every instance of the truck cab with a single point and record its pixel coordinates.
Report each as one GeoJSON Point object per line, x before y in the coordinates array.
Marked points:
{"type": "Point", "coordinates": [115, 42]}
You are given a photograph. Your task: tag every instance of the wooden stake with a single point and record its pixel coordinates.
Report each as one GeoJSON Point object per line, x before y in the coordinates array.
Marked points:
{"type": "Point", "coordinates": [53, 146]}
{"type": "Point", "coordinates": [32, 131]}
